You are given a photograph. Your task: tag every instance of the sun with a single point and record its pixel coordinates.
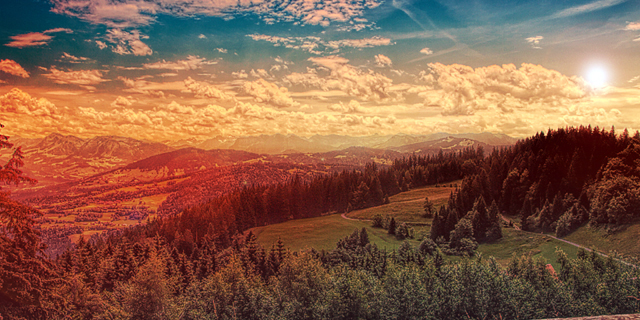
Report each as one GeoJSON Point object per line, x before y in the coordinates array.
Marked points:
{"type": "Point", "coordinates": [597, 75]}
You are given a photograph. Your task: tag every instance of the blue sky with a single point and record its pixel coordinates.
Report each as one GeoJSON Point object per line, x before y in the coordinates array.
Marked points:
{"type": "Point", "coordinates": [178, 69]}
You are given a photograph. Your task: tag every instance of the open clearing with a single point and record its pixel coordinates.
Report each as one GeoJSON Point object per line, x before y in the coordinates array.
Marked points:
{"type": "Point", "coordinates": [324, 232]}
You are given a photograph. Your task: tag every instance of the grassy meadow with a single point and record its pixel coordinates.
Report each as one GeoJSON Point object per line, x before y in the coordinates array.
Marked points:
{"type": "Point", "coordinates": [324, 232]}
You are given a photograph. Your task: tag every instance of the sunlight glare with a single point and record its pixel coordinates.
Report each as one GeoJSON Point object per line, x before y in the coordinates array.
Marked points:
{"type": "Point", "coordinates": [597, 76]}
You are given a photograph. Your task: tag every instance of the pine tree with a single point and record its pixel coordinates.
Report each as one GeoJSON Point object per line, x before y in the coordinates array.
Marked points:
{"type": "Point", "coordinates": [391, 228]}
{"type": "Point", "coordinates": [428, 208]}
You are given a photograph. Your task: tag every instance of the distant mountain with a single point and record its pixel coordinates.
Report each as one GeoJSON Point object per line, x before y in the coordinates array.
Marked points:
{"type": "Point", "coordinates": [445, 144]}
{"type": "Point", "coordinates": [278, 143]}
{"type": "Point", "coordinates": [57, 158]}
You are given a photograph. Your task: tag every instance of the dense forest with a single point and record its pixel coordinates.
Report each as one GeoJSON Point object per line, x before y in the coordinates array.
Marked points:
{"type": "Point", "coordinates": [202, 264]}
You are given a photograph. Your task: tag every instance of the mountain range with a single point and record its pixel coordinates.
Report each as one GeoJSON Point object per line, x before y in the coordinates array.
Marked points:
{"type": "Point", "coordinates": [57, 158]}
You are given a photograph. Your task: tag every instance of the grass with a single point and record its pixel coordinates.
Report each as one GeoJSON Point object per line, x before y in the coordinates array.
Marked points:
{"type": "Point", "coordinates": [321, 233]}
{"type": "Point", "coordinates": [324, 232]}
{"type": "Point", "coordinates": [623, 241]}
{"type": "Point", "coordinates": [407, 206]}
{"type": "Point", "coordinates": [519, 242]}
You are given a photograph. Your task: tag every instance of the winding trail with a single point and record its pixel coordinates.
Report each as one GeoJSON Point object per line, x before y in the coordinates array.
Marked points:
{"type": "Point", "coordinates": [515, 226]}
{"type": "Point", "coordinates": [344, 215]}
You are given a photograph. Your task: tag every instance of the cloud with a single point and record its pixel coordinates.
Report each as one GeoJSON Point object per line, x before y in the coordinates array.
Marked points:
{"type": "Point", "coordinates": [101, 44]}
{"type": "Point", "coordinates": [260, 73]}
{"type": "Point", "coordinates": [589, 7]}
{"type": "Point", "coordinates": [383, 61]}
{"type": "Point", "coordinates": [83, 78]}
{"type": "Point", "coordinates": [202, 90]}
{"type": "Point", "coordinates": [202, 36]}
{"type": "Point", "coordinates": [366, 85]}
{"type": "Point", "coordinates": [191, 63]}
{"type": "Point", "coordinates": [73, 59]}
{"type": "Point", "coordinates": [461, 90]}
{"type": "Point", "coordinates": [535, 41]}
{"type": "Point", "coordinates": [352, 107]}
{"type": "Point", "coordinates": [134, 13]}
{"type": "Point", "coordinates": [426, 51]}
{"type": "Point", "coordinates": [240, 74]}
{"type": "Point", "coordinates": [264, 91]}
{"type": "Point", "coordinates": [141, 86]}
{"type": "Point", "coordinates": [121, 102]}
{"type": "Point", "coordinates": [633, 26]}
{"type": "Point", "coordinates": [125, 42]}
{"type": "Point", "coordinates": [316, 45]}
{"type": "Point", "coordinates": [221, 50]}
{"type": "Point", "coordinates": [13, 68]}
{"type": "Point", "coordinates": [32, 39]}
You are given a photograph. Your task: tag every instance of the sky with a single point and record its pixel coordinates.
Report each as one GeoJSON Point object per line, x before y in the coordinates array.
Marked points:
{"type": "Point", "coordinates": [163, 70]}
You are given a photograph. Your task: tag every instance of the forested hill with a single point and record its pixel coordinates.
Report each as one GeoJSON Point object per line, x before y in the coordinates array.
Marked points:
{"type": "Point", "coordinates": [554, 181]}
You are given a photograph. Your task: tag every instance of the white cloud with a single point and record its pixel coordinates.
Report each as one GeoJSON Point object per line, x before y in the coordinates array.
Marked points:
{"type": "Point", "coordinates": [191, 63]}
{"type": "Point", "coordinates": [264, 91]}
{"type": "Point", "coordinates": [202, 90]}
{"type": "Point", "coordinates": [259, 73]}
{"type": "Point", "coordinates": [125, 42]}
{"type": "Point", "coordinates": [352, 107]}
{"type": "Point", "coordinates": [73, 59]}
{"type": "Point", "coordinates": [13, 68]}
{"type": "Point", "coordinates": [202, 36]}
{"type": "Point", "coordinates": [133, 13]}
{"type": "Point", "coordinates": [221, 50]}
{"type": "Point", "coordinates": [383, 61]}
{"type": "Point", "coordinates": [240, 74]}
{"type": "Point", "coordinates": [366, 85]}
{"type": "Point", "coordinates": [633, 26]}
{"type": "Point", "coordinates": [535, 41]}
{"type": "Point", "coordinates": [318, 46]}
{"type": "Point", "coordinates": [461, 90]}
{"type": "Point", "coordinates": [83, 78]}
{"type": "Point", "coordinates": [120, 102]}
{"type": "Point", "coordinates": [101, 44]}
{"type": "Point", "coordinates": [585, 8]}
{"type": "Point", "coordinates": [426, 51]}
{"type": "Point", "coordinates": [32, 39]}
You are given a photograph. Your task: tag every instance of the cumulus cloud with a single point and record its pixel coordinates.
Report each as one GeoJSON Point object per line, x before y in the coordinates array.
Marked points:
{"type": "Point", "coordinates": [352, 107]}
{"type": "Point", "coordinates": [267, 92]}
{"type": "Point", "coordinates": [83, 78]}
{"type": "Point", "coordinates": [134, 13]}
{"type": "Point", "coordinates": [120, 102]}
{"type": "Point", "coordinates": [32, 39]}
{"type": "Point", "coordinates": [127, 42]}
{"type": "Point", "coordinates": [202, 90]}
{"type": "Point", "coordinates": [240, 74]}
{"type": "Point", "coordinates": [202, 36]}
{"type": "Point", "coordinates": [221, 50]}
{"type": "Point", "coordinates": [101, 44]}
{"type": "Point", "coordinates": [535, 41]}
{"type": "Point", "coordinates": [633, 26]}
{"type": "Point", "coordinates": [13, 68]}
{"type": "Point", "coordinates": [366, 85]}
{"type": "Point", "coordinates": [141, 86]}
{"type": "Point", "coordinates": [191, 63]}
{"type": "Point", "coordinates": [259, 73]}
{"type": "Point", "coordinates": [383, 61]}
{"type": "Point", "coordinates": [464, 90]}
{"type": "Point", "coordinates": [316, 45]}
{"type": "Point", "coordinates": [426, 51]}
{"type": "Point", "coordinates": [19, 102]}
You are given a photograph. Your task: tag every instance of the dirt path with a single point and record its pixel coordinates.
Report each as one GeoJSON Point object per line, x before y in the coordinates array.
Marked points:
{"type": "Point", "coordinates": [515, 226]}
{"type": "Point", "coordinates": [344, 215]}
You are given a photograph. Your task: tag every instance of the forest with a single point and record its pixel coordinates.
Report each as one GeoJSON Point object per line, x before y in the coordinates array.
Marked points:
{"type": "Point", "coordinates": [203, 263]}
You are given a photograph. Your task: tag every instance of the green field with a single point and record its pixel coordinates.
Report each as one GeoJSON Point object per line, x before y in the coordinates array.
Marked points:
{"type": "Point", "coordinates": [407, 206]}
{"type": "Point", "coordinates": [625, 241]}
{"type": "Point", "coordinates": [324, 232]}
